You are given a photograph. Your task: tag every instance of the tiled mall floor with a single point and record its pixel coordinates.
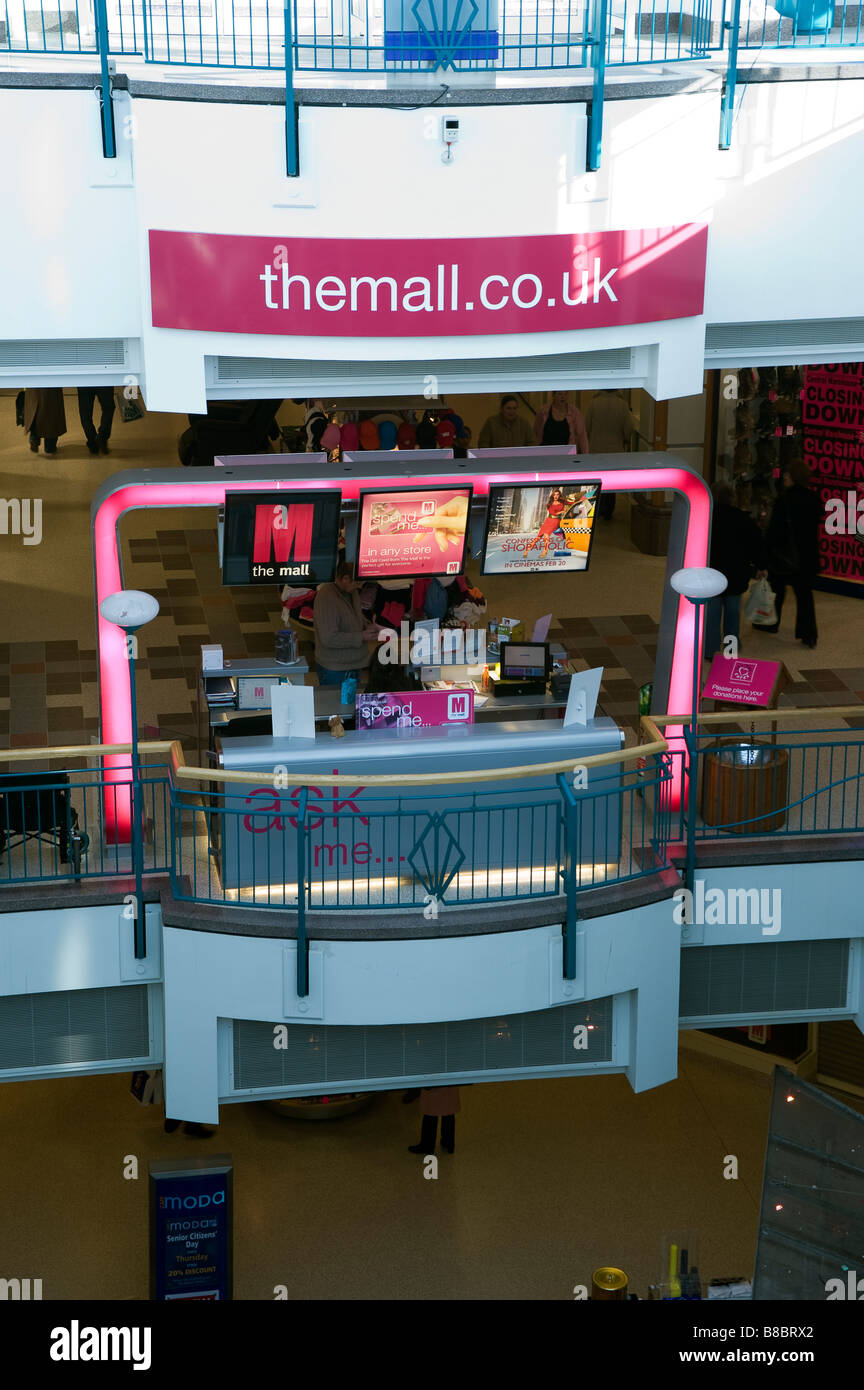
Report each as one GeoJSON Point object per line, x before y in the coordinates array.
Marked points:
{"type": "Point", "coordinates": [549, 1181]}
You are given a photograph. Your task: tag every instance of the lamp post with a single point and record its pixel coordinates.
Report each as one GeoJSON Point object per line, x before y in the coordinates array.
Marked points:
{"type": "Point", "coordinates": [130, 609]}
{"type": "Point", "coordinates": [699, 586]}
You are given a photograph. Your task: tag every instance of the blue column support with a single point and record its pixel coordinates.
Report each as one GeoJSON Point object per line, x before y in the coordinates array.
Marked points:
{"type": "Point", "coordinates": [302, 940]}
{"type": "Point", "coordinates": [292, 142]}
{"type": "Point", "coordinates": [568, 873]}
{"type": "Point", "coordinates": [727, 105]}
{"type": "Point", "coordinates": [598, 61]}
{"type": "Point", "coordinates": [109, 142]}
{"type": "Point", "coordinates": [691, 739]}
{"type": "Point", "coordinates": [137, 814]}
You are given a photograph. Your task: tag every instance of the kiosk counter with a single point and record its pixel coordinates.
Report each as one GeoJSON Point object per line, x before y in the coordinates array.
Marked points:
{"type": "Point", "coordinates": [356, 835]}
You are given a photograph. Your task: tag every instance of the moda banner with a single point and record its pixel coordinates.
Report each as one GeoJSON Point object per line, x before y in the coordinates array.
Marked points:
{"type": "Point", "coordinates": [386, 288]}
{"type": "Point", "coordinates": [191, 1229]}
{"type": "Point", "coordinates": [832, 413]}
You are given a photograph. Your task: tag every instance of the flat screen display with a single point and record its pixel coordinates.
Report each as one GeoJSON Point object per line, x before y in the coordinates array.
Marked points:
{"type": "Point", "coordinates": [281, 537]}
{"type": "Point", "coordinates": [524, 661]}
{"type": "Point", "coordinates": [533, 529]}
{"type": "Point", "coordinates": [411, 532]}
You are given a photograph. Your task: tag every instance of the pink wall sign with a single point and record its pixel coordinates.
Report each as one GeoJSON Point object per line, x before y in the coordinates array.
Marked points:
{"type": "Point", "coordinates": [388, 288]}
{"type": "Point", "coordinates": [741, 682]}
{"type": "Point", "coordinates": [420, 709]}
{"type": "Point", "coordinates": [832, 413]}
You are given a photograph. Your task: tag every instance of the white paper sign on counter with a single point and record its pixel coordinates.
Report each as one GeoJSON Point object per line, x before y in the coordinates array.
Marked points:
{"type": "Point", "coordinates": [293, 711]}
{"type": "Point", "coordinates": [582, 700]}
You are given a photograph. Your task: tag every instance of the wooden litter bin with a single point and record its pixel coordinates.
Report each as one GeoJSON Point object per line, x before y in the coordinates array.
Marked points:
{"type": "Point", "coordinates": [744, 781]}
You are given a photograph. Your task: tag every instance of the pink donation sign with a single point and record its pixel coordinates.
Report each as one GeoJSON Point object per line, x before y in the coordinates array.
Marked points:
{"type": "Point", "coordinates": [741, 682]}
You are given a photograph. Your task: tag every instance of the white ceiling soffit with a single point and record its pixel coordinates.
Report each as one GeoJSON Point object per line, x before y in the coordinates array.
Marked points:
{"type": "Point", "coordinates": [286, 377]}
{"type": "Point", "coordinates": [778, 343]}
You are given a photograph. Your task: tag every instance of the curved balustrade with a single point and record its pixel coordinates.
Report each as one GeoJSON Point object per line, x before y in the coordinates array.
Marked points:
{"type": "Point", "coordinates": [423, 36]}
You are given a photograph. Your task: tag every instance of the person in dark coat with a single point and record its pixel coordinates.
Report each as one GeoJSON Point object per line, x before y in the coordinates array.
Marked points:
{"type": "Point", "coordinates": [97, 440]}
{"type": "Point", "coordinates": [435, 1102]}
{"type": "Point", "coordinates": [792, 544]}
{"type": "Point", "coordinates": [44, 417]}
{"type": "Point", "coordinates": [737, 551]}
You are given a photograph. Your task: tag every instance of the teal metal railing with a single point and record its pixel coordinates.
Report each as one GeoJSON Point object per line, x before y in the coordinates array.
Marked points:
{"type": "Point", "coordinates": [52, 825]}
{"type": "Point", "coordinates": [422, 36]}
{"type": "Point", "coordinates": [312, 850]}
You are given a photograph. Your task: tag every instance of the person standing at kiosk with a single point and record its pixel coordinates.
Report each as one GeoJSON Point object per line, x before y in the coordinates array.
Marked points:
{"type": "Point", "coordinates": [341, 629]}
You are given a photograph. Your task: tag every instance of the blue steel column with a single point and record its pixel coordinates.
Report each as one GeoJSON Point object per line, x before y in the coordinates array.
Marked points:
{"type": "Point", "coordinates": [292, 150]}
{"type": "Point", "coordinates": [691, 739]}
{"type": "Point", "coordinates": [137, 818]}
{"type": "Point", "coordinates": [598, 59]}
{"type": "Point", "coordinates": [727, 105]}
{"type": "Point", "coordinates": [302, 940]}
{"type": "Point", "coordinates": [109, 143]}
{"type": "Point", "coordinates": [571, 857]}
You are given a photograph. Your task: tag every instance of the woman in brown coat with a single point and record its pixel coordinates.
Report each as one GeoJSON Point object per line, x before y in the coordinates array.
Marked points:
{"type": "Point", "coordinates": [44, 417]}
{"type": "Point", "coordinates": [437, 1101]}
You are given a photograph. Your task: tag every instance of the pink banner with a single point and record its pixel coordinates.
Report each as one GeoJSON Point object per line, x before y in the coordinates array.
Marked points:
{"type": "Point", "coordinates": [741, 682]}
{"type": "Point", "coordinates": [832, 412]}
{"type": "Point", "coordinates": [420, 709]}
{"type": "Point", "coordinates": [396, 288]}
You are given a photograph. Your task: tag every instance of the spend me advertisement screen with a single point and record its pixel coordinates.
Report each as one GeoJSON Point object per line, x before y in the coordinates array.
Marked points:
{"type": "Point", "coordinates": [540, 530]}
{"type": "Point", "coordinates": [418, 531]}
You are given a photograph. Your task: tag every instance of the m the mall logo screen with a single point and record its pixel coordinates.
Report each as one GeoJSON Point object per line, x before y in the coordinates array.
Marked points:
{"type": "Point", "coordinates": [280, 537]}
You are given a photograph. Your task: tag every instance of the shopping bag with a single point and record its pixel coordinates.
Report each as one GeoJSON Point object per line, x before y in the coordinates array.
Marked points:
{"type": "Point", "coordinates": [129, 407]}
{"type": "Point", "coordinates": [760, 609]}
{"type": "Point", "coordinates": [146, 1087]}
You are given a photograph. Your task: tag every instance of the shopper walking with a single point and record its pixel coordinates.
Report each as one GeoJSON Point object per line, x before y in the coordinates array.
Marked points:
{"type": "Point", "coordinates": [437, 1102]}
{"type": "Point", "coordinates": [507, 429]}
{"type": "Point", "coordinates": [610, 424]}
{"type": "Point", "coordinates": [97, 440]}
{"type": "Point", "coordinates": [44, 417]}
{"type": "Point", "coordinates": [737, 551]}
{"type": "Point", "coordinates": [341, 629]}
{"type": "Point", "coordinates": [792, 545]}
{"type": "Point", "coordinates": [559, 422]}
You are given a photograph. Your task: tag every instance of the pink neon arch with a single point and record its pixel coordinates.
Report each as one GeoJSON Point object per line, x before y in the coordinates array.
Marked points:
{"type": "Point", "coordinates": [114, 687]}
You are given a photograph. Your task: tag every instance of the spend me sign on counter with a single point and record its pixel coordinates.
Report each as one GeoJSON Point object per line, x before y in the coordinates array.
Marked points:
{"type": "Point", "coordinates": [422, 709]}
{"type": "Point", "coordinates": [400, 288]}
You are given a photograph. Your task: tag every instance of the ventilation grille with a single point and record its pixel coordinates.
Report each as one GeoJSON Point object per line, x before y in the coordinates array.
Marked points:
{"type": "Point", "coordinates": [62, 352]}
{"type": "Point", "coordinates": [320, 1055]}
{"type": "Point", "coordinates": [785, 335]}
{"type": "Point", "coordinates": [763, 979]}
{"type": "Point", "coordinates": [74, 1027]}
{"type": "Point", "coordinates": [410, 378]}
